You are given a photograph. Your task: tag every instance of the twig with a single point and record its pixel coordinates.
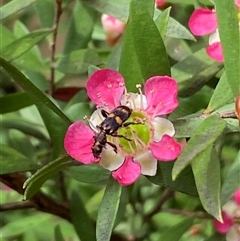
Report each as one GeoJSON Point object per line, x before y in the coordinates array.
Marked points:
{"type": "Point", "coordinates": [228, 114]}
{"type": "Point", "coordinates": [40, 201]}
{"type": "Point", "coordinates": [53, 50]}
{"type": "Point", "coordinates": [16, 206]}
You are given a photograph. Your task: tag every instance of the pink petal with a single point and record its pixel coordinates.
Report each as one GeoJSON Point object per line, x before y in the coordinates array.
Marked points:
{"type": "Point", "coordinates": [161, 93]}
{"type": "Point", "coordinates": [128, 173]}
{"type": "Point", "coordinates": [225, 226]}
{"type": "Point", "coordinates": [236, 196]}
{"type": "Point", "coordinates": [105, 87]}
{"type": "Point", "coordinates": [215, 51]}
{"type": "Point", "coordinates": [78, 142]}
{"type": "Point", "coordinates": [202, 21]}
{"type": "Point", "coordinates": [165, 150]}
{"type": "Point", "coordinates": [237, 2]}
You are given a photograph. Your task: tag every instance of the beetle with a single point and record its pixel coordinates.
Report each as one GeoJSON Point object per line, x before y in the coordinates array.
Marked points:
{"type": "Point", "coordinates": [109, 126]}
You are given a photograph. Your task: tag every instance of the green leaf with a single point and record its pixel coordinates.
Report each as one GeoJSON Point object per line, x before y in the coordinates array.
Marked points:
{"type": "Point", "coordinates": [13, 7]}
{"type": "Point", "coordinates": [8, 36]}
{"type": "Point", "coordinates": [137, 64]}
{"type": "Point", "coordinates": [177, 49]}
{"type": "Point", "coordinates": [22, 143]}
{"type": "Point", "coordinates": [92, 174]}
{"type": "Point", "coordinates": [108, 210]}
{"type": "Point", "coordinates": [228, 24]}
{"type": "Point", "coordinates": [81, 27]}
{"type": "Point", "coordinates": [118, 9]}
{"type": "Point", "coordinates": [28, 128]}
{"type": "Point", "coordinates": [33, 184]}
{"type": "Point", "coordinates": [77, 111]}
{"type": "Point", "coordinates": [162, 21]}
{"type": "Point", "coordinates": [186, 127]}
{"type": "Point", "coordinates": [194, 71]}
{"type": "Point", "coordinates": [221, 95]}
{"type": "Point", "coordinates": [45, 12]}
{"type": "Point", "coordinates": [177, 30]}
{"type": "Point", "coordinates": [77, 62]}
{"type": "Point", "coordinates": [58, 233]}
{"type": "Point", "coordinates": [36, 95]}
{"type": "Point", "coordinates": [204, 136]}
{"type": "Point", "coordinates": [231, 181]}
{"type": "Point", "coordinates": [83, 225]}
{"type": "Point", "coordinates": [14, 102]}
{"type": "Point", "coordinates": [206, 170]}
{"type": "Point", "coordinates": [14, 161]}
{"type": "Point", "coordinates": [22, 45]}
{"type": "Point", "coordinates": [32, 59]}
{"type": "Point", "coordinates": [216, 237]}
{"type": "Point", "coordinates": [113, 59]}
{"type": "Point", "coordinates": [175, 232]}
{"type": "Point", "coordinates": [184, 183]}
{"type": "Point", "coordinates": [22, 225]}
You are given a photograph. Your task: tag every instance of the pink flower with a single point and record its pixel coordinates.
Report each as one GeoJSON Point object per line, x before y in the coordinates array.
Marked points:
{"type": "Point", "coordinates": [160, 3]}
{"type": "Point", "coordinates": [113, 28]}
{"type": "Point", "coordinates": [202, 22]}
{"type": "Point", "coordinates": [231, 219]}
{"type": "Point", "coordinates": [150, 140]}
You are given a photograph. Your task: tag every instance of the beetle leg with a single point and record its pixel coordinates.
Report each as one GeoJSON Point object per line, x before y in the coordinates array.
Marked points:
{"type": "Point", "coordinates": [113, 146]}
{"type": "Point", "coordinates": [104, 113]}
{"type": "Point", "coordinates": [122, 136]}
{"type": "Point", "coordinates": [130, 123]}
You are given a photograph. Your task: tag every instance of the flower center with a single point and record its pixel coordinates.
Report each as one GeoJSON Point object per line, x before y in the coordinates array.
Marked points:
{"type": "Point", "coordinates": [139, 134]}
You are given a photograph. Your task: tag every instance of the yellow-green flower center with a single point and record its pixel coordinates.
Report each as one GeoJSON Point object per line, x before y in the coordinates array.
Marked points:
{"type": "Point", "coordinates": [139, 134]}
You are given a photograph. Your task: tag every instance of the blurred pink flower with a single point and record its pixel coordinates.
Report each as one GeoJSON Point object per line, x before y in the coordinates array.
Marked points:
{"type": "Point", "coordinates": [231, 219]}
{"type": "Point", "coordinates": [150, 141]}
{"type": "Point", "coordinates": [160, 3]}
{"type": "Point", "coordinates": [203, 22]}
{"type": "Point", "coordinates": [113, 28]}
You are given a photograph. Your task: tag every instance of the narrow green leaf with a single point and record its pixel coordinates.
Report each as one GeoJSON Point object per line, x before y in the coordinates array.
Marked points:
{"type": "Point", "coordinates": [13, 7]}
{"type": "Point", "coordinates": [118, 9]}
{"type": "Point", "coordinates": [14, 102]}
{"type": "Point", "coordinates": [162, 21]}
{"type": "Point", "coordinates": [33, 184]}
{"type": "Point", "coordinates": [81, 27]}
{"type": "Point", "coordinates": [83, 225]}
{"type": "Point", "coordinates": [177, 49]}
{"type": "Point", "coordinates": [108, 210]}
{"type": "Point", "coordinates": [177, 30]}
{"type": "Point", "coordinates": [45, 12]}
{"type": "Point", "coordinates": [22, 143]}
{"type": "Point", "coordinates": [175, 232]}
{"type": "Point", "coordinates": [137, 64]}
{"type": "Point", "coordinates": [184, 183]}
{"type": "Point", "coordinates": [77, 62]}
{"type": "Point", "coordinates": [186, 127]}
{"type": "Point", "coordinates": [113, 59]}
{"type": "Point", "coordinates": [28, 128]}
{"type": "Point", "coordinates": [92, 174]}
{"type": "Point", "coordinates": [194, 71]}
{"type": "Point", "coordinates": [222, 95]}
{"type": "Point", "coordinates": [8, 36]}
{"type": "Point", "coordinates": [58, 233]}
{"type": "Point", "coordinates": [206, 170]}
{"type": "Point", "coordinates": [216, 237]}
{"type": "Point", "coordinates": [231, 183]}
{"type": "Point", "coordinates": [37, 95]}
{"type": "Point", "coordinates": [14, 161]}
{"type": "Point", "coordinates": [204, 136]}
{"type": "Point", "coordinates": [228, 24]}
{"type": "Point", "coordinates": [21, 225]}
{"type": "Point", "coordinates": [22, 45]}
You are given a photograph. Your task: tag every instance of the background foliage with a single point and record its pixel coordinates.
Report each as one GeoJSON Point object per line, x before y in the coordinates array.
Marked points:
{"type": "Point", "coordinates": [48, 48]}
